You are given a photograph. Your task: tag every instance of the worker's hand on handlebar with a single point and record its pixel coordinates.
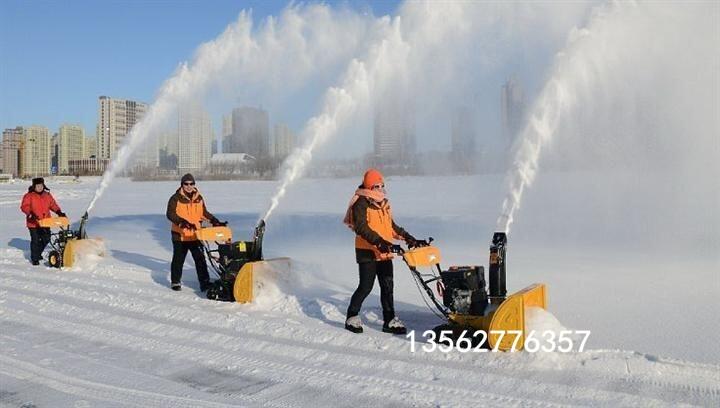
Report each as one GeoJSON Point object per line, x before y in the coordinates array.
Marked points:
{"type": "Point", "coordinates": [388, 247]}
{"type": "Point", "coordinates": [61, 214]}
{"type": "Point", "coordinates": [187, 225]}
{"type": "Point", "coordinates": [217, 223]}
{"type": "Point", "coordinates": [416, 243]}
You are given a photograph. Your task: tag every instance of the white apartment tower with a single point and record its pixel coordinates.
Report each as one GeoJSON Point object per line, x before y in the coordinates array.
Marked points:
{"type": "Point", "coordinates": [115, 119]}
{"type": "Point", "coordinates": [195, 135]}
{"type": "Point", "coordinates": [71, 146]}
{"type": "Point", "coordinates": [37, 153]}
{"type": "Point", "coordinates": [284, 141]}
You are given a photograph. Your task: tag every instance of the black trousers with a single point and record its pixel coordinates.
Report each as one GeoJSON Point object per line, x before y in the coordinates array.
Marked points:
{"type": "Point", "coordinates": [180, 250]}
{"type": "Point", "coordinates": [368, 271]}
{"type": "Point", "coordinates": [39, 238]}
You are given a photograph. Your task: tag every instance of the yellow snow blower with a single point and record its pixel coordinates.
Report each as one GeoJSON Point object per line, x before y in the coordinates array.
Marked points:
{"type": "Point", "coordinates": [466, 304]}
{"type": "Point", "coordinates": [66, 244]}
{"type": "Point", "coordinates": [237, 264]}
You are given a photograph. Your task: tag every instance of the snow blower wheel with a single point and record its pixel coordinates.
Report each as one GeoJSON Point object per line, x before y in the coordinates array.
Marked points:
{"type": "Point", "coordinates": [54, 259]}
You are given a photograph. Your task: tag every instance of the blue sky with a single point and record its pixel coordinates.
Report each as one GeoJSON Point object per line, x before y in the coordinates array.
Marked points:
{"type": "Point", "coordinates": [57, 57]}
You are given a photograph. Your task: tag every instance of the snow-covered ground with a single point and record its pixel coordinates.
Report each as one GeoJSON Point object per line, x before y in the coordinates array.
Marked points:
{"type": "Point", "coordinates": [113, 334]}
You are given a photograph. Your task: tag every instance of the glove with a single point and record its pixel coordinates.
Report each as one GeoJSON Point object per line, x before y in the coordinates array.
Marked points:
{"type": "Point", "coordinates": [217, 223]}
{"type": "Point", "coordinates": [32, 217]}
{"type": "Point", "coordinates": [411, 241]}
{"type": "Point", "coordinates": [385, 247]}
{"type": "Point", "coordinates": [61, 214]}
{"type": "Point", "coordinates": [187, 225]}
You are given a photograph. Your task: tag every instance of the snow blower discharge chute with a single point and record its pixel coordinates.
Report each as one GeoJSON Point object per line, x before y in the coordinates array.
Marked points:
{"type": "Point", "coordinates": [237, 264]}
{"type": "Point", "coordinates": [466, 304]}
{"type": "Point", "coordinates": [67, 245]}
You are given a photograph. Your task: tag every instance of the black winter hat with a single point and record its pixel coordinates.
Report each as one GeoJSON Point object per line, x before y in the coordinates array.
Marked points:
{"type": "Point", "coordinates": [36, 181]}
{"type": "Point", "coordinates": [187, 177]}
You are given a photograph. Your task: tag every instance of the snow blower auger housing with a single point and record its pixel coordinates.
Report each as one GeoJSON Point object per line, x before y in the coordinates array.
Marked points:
{"type": "Point", "coordinates": [235, 263]}
{"type": "Point", "coordinates": [467, 304]}
{"type": "Point", "coordinates": [63, 240]}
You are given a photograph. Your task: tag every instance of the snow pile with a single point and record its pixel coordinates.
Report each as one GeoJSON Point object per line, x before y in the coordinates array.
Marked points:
{"type": "Point", "coordinates": [540, 320]}
{"type": "Point", "coordinates": [274, 287]}
{"type": "Point", "coordinates": [87, 253]}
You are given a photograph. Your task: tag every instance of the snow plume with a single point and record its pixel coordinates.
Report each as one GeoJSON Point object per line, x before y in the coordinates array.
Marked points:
{"type": "Point", "coordinates": [341, 102]}
{"type": "Point", "coordinates": [416, 62]}
{"type": "Point", "coordinates": [279, 55]}
{"type": "Point", "coordinates": [635, 91]}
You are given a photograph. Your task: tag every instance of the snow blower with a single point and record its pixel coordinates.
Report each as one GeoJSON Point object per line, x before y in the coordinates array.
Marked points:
{"type": "Point", "coordinates": [65, 243]}
{"type": "Point", "coordinates": [236, 263]}
{"type": "Point", "coordinates": [466, 304]}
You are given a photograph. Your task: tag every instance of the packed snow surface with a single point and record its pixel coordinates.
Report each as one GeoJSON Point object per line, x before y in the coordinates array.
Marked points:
{"type": "Point", "coordinates": [110, 333]}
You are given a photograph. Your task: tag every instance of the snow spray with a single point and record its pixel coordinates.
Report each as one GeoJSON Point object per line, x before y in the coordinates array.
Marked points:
{"type": "Point", "coordinates": [341, 102]}
{"type": "Point", "coordinates": [551, 107]}
{"type": "Point", "coordinates": [241, 56]}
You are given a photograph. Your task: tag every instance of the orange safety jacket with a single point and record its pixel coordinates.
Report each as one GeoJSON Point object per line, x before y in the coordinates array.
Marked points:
{"type": "Point", "coordinates": [373, 224]}
{"type": "Point", "coordinates": [190, 208]}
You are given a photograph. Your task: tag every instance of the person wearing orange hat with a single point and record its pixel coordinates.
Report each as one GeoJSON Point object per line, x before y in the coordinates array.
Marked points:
{"type": "Point", "coordinates": [370, 217]}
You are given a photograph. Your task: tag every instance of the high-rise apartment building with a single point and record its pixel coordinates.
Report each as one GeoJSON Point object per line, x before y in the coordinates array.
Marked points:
{"type": "Point", "coordinates": [116, 117]}
{"type": "Point", "coordinates": [195, 135]}
{"type": "Point", "coordinates": [12, 149]}
{"type": "Point", "coordinates": [70, 146]}
{"type": "Point", "coordinates": [37, 154]}
{"type": "Point", "coordinates": [512, 108]}
{"type": "Point", "coordinates": [250, 133]}
{"type": "Point", "coordinates": [284, 141]}
{"type": "Point", "coordinates": [394, 133]}
{"type": "Point", "coordinates": [90, 147]}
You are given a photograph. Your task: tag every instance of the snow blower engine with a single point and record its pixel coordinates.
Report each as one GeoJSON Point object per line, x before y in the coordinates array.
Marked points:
{"type": "Point", "coordinates": [467, 304]}
{"type": "Point", "coordinates": [63, 240]}
{"type": "Point", "coordinates": [232, 262]}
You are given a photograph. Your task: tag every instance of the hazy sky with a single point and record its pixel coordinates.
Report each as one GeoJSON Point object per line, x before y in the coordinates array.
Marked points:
{"type": "Point", "coordinates": [57, 57]}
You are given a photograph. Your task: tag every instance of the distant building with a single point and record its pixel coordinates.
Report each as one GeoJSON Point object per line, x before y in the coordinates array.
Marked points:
{"type": "Point", "coordinates": [195, 135]}
{"type": "Point", "coordinates": [88, 167]}
{"type": "Point", "coordinates": [250, 133]}
{"type": "Point", "coordinates": [512, 101]}
{"type": "Point", "coordinates": [115, 119]}
{"type": "Point", "coordinates": [394, 132]}
{"type": "Point", "coordinates": [462, 140]}
{"type": "Point", "coordinates": [169, 145]}
{"type": "Point", "coordinates": [12, 148]}
{"type": "Point", "coordinates": [37, 154]}
{"type": "Point", "coordinates": [71, 146]}
{"type": "Point", "coordinates": [229, 163]}
{"type": "Point", "coordinates": [90, 147]}
{"type": "Point", "coordinates": [284, 141]}
{"type": "Point", "coordinates": [54, 153]}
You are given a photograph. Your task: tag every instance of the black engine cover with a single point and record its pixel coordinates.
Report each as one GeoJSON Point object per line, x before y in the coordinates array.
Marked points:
{"type": "Point", "coordinates": [465, 289]}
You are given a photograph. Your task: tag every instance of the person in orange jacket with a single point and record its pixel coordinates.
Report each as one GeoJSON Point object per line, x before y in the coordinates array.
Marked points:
{"type": "Point", "coordinates": [36, 204]}
{"type": "Point", "coordinates": [370, 217]}
{"type": "Point", "coordinates": [185, 210]}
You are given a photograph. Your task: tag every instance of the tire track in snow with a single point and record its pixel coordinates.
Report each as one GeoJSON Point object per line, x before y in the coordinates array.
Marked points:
{"type": "Point", "coordinates": [302, 374]}
{"type": "Point", "coordinates": [608, 398]}
{"type": "Point", "coordinates": [23, 370]}
{"type": "Point", "coordinates": [630, 382]}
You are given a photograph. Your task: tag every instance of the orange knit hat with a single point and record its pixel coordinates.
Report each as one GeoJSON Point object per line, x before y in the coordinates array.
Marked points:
{"type": "Point", "coordinates": [372, 177]}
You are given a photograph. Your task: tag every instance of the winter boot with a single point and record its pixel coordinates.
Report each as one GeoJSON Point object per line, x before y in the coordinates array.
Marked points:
{"type": "Point", "coordinates": [354, 324]}
{"type": "Point", "coordinates": [394, 326]}
{"type": "Point", "coordinates": [176, 287]}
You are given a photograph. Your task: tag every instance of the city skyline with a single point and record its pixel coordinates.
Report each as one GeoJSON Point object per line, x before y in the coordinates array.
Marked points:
{"type": "Point", "coordinates": [142, 57]}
